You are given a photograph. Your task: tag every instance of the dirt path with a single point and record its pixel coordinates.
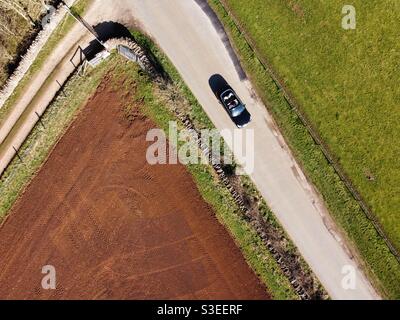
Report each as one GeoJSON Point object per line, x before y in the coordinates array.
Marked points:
{"type": "Point", "coordinates": [115, 227]}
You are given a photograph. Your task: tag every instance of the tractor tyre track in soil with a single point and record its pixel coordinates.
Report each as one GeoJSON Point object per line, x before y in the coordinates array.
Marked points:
{"type": "Point", "coordinates": [114, 226]}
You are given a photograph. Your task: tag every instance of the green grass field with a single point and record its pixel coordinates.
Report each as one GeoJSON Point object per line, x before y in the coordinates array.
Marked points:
{"type": "Point", "coordinates": [346, 82]}
{"type": "Point", "coordinates": [276, 26]}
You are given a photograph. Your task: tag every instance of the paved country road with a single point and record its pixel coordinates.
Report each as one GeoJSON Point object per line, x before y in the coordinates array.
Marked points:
{"type": "Point", "coordinates": [198, 50]}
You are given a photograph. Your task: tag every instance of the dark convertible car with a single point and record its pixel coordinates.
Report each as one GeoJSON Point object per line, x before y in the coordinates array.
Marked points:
{"type": "Point", "coordinates": [234, 106]}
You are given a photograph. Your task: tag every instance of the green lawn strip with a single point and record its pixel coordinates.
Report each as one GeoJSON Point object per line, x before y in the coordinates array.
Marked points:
{"type": "Point", "coordinates": [62, 29]}
{"type": "Point", "coordinates": [381, 265]}
{"type": "Point", "coordinates": [247, 239]}
{"type": "Point", "coordinates": [41, 140]}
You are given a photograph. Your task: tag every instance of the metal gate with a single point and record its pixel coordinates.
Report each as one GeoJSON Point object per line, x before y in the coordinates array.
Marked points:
{"type": "Point", "coordinates": [129, 54]}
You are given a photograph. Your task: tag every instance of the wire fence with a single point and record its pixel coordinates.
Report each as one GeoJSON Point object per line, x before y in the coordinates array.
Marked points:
{"type": "Point", "coordinates": [311, 130]}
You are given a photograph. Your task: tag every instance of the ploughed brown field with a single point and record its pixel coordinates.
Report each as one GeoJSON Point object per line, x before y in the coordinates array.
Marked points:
{"type": "Point", "coordinates": [114, 226]}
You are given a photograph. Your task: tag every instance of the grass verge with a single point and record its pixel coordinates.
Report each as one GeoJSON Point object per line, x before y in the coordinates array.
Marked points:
{"type": "Point", "coordinates": [381, 266]}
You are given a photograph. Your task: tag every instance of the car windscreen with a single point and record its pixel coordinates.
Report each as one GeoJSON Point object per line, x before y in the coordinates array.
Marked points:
{"type": "Point", "coordinates": [237, 110]}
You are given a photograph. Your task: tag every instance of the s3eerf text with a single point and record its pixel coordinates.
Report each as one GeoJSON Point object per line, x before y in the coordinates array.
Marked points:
{"type": "Point", "coordinates": [205, 309]}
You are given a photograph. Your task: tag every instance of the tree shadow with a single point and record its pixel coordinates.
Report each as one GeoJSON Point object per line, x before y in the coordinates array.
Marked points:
{"type": "Point", "coordinates": [105, 31]}
{"type": "Point", "coordinates": [109, 30]}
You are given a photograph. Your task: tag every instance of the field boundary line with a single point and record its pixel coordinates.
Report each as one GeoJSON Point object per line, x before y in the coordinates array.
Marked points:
{"type": "Point", "coordinates": [311, 130]}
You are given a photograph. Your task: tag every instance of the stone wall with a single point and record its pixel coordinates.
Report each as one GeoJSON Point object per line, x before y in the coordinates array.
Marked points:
{"type": "Point", "coordinates": [31, 54]}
